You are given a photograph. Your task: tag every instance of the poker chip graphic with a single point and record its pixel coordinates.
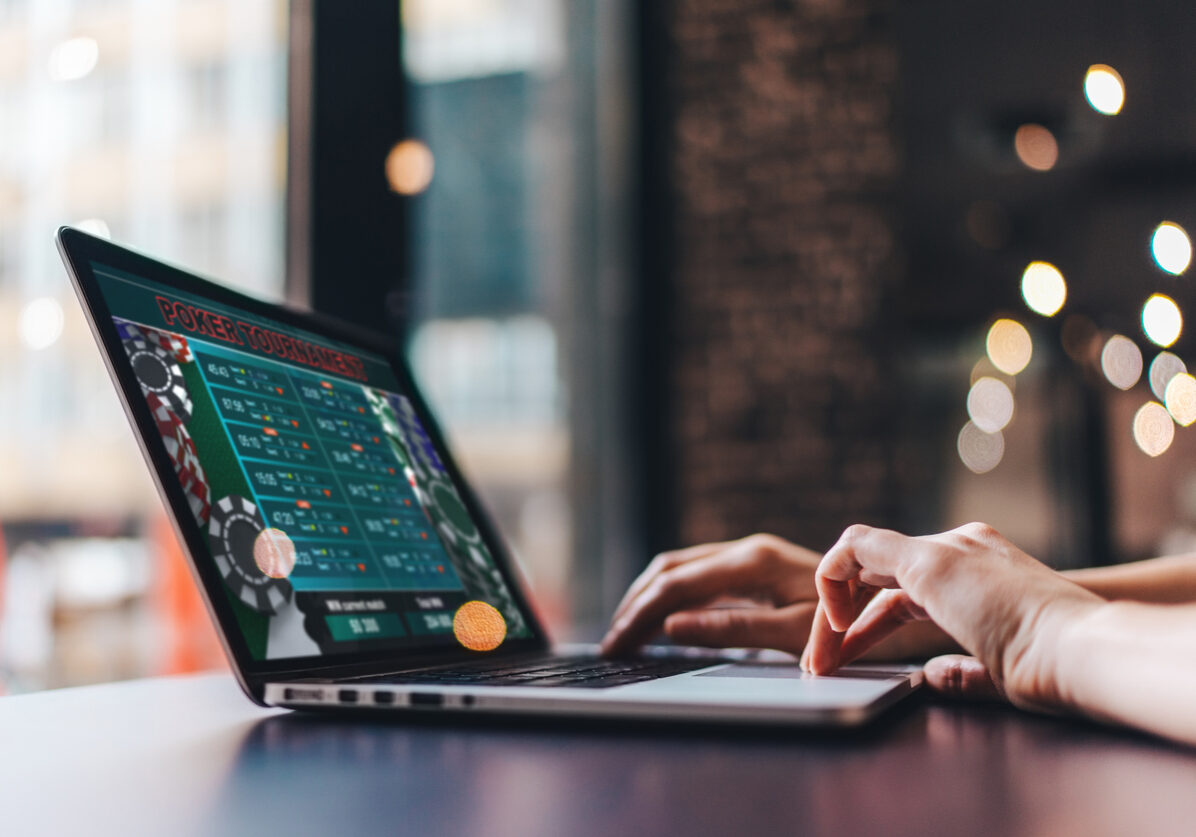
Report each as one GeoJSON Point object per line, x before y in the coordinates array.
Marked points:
{"type": "Point", "coordinates": [447, 513]}
{"type": "Point", "coordinates": [173, 344]}
{"type": "Point", "coordinates": [233, 532]}
{"type": "Point", "coordinates": [184, 457]}
{"type": "Point", "coordinates": [158, 372]}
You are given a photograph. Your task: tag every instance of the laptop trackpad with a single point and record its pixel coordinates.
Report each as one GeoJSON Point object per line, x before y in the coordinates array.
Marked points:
{"type": "Point", "coordinates": [795, 673]}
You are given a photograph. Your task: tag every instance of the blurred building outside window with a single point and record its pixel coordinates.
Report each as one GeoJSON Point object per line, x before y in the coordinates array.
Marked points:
{"type": "Point", "coordinates": [161, 124]}
{"type": "Point", "coordinates": [494, 101]}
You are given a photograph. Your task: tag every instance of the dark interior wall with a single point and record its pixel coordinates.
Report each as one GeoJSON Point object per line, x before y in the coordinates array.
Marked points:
{"type": "Point", "coordinates": [779, 162]}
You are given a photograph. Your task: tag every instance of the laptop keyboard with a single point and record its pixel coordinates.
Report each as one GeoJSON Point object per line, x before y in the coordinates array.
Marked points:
{"type": "Point", "coordinates": [572, 672]}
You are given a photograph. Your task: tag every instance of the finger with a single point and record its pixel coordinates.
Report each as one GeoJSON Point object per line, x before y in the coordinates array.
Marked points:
{"type": "Point", "coordinates": [822, 636]}
{"type": "Point", "coordinates": [861, 554]}
{"type": "Point", "coordinates": [886, 614]}
{"type": "Point", "coordinates": [687, 586]}
{"type": "Point", "coordinates": [960, 676]}
{"type": "Point", "coordinates": [784, 629]}
{"type": "Point", "coordinates": [662, 562]}
{"type": "Point", "coordinates": [825, 647]}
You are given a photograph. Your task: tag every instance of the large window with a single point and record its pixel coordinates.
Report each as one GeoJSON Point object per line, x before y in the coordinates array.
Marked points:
{"type": "Point", "coordinates": [509, 243]}
{"type": "Point", "coordinates": [159, 123]}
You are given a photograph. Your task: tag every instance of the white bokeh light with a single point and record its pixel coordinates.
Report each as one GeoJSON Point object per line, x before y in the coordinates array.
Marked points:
{"type": "Point", "coordinates": [990, 404]}
{"type": "Point", "coordinates": [1171, 248]}
{"type": "Point", "coordinates": [1104, 89]}
{"type": "Point", "coordinates": [1163, 368]}
{"type": "Point", "coordinates": [42, 322]}
{"type": "Point", "coordinates": [980, 452]}
{"type": "Point", "coordinates": [1180, 399]}
{"type": "Point", "coordinates": [1121, 361]}
{"type": "Point", "coordinates": [73, 59]}
{"type": "Point", "coordinates": [1153, 428]}
{"type": "Point", "coordinates": [1162, 321]}
{"type": "Point", "coordinates": [1044, 288]}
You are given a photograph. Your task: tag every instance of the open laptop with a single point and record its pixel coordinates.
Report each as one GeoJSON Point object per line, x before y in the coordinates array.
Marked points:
{"type": "Point", "coordinates": [343, 557]}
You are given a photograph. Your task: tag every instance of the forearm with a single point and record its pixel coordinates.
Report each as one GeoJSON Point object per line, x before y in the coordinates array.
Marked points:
{"type": "Point", "coordinates": [1160, 580]}
{"type": "Point", "coordinates": [1134, 664]}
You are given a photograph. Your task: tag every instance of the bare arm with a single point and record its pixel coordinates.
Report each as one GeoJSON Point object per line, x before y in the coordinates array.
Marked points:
{"type": "Point", "coordinates": [1134, 664]}
{"type": "Point", "coordinates": [1161, 580]}
{"type": "Point", "coordinates": [1038, 639]}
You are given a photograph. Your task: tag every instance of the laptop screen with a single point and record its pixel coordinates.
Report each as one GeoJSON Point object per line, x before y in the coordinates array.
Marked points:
{"type": "Point", "coordinates": [330, 517]}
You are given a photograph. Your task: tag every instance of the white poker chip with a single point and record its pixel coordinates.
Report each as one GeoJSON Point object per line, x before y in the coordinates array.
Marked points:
{"type": "Point", "coordinates": [158, 372]}
{"type": "Point", "coordinates": [233, 529]}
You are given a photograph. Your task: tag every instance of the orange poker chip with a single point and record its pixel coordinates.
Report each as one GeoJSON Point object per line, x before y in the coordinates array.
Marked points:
{"type": "Point", "coordinates": [479, 626]}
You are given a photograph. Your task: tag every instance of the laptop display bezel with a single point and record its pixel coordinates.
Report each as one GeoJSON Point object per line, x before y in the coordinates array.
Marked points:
{"type": "Point", "coordinates": [79, 250]}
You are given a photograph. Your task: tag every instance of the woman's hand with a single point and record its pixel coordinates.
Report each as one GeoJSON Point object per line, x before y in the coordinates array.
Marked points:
{"type": "Point", "coordinates": [772, 576]}
{"type": "Point", "coordinates": [767, 586]}
{"type": "Point", "coordinates": [1010, 611]}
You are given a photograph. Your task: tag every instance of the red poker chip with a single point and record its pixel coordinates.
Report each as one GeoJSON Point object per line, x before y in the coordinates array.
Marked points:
{"type": "Point", "coordinates": [183, 456]}
{"type": "Point", "coordinates": [176, 345]}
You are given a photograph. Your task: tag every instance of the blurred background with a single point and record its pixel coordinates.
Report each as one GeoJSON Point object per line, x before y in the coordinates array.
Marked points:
{"type": "Point", "coordinates": [669, 272]}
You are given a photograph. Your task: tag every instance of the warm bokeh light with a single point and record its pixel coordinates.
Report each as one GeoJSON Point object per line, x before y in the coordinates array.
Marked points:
{"type": "Point", "coordinates": [1171, 247]}
{"type": "Point", "coordinates": [990, 404]}
{"type": "Point", "coordinates": [1121, 361]}
{"type": "Point", "coordinates": [1163, 368]}
{"type": "Point", "coordinates": [1153, 428]}
{"type": "Point", "coordinates": [984, 368]}
{"type": "Point", "coordinates": [1036, 147]}
{"type": "Point", "coordinates": [1180, 398]}
{"type": "Point", "coordinates": [74, 58]}
{"type": "Point", "coordinates": [409, 167]}
{"type": "Point", "coordinates": [479, 626]}
{"type": "Point", "coordinates": [1104, 89]}
{"type": "Point", "coordinates": [1009, 346]}
{"type": "Point", "coordinates": [1044, 288]}
{"type": "Point", "coordinates": [42, 321]}
{"type": "Point", "coordinates": [1161, 320]}
{"type": "Point", "coordinates": [980, 452]}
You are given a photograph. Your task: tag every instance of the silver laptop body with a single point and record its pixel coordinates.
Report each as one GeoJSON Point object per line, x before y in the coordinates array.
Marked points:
{"type": "Point", "coordinates": [345, 561]}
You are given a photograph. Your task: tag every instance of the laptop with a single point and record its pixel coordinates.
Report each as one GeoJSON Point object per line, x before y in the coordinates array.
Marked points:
{"type": "Point", "coordinates": [343, 557]}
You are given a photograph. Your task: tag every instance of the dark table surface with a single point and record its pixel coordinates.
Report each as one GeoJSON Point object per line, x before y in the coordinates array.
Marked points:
{"type": "Point", "coordinates": [192, 755]}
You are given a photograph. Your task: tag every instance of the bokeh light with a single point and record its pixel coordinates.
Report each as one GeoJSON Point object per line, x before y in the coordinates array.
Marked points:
{"type": "Point", "coordinates": [1121, 361]}
{"type": "Point", "coordinates": [1036, 147]}
{"type": "Point", "coordinates": [74, 58]}
{"type": "Point", "coordinates": [1009, 346]}
{"type": "Point", "coordinates": [980, 452]}
{"type": "Point", "coordinates": [1180, 398]}
{"type": "Point", "coordinates": [1163, 368]}
{"type": "Point", "coordinates": [409, 167]}
{"type": "Point", "coordinates": [1161, 320]}
{"type": "Point", "coordinates": [1104, 89]}
{"type": "Point", "coordinates": [990, 405]}
{"type": "Point", "coordinates": [42, 321]}
{"type": "Point", "coordinates": [479, 626]}
{"type": "Point", "coordinates": [1153, 428]}
{"type": "Point", "coordinates": [1171, 247]}
{"type": "Point", "coordinates": [1043, 288]}
{"type": "Point", "coordinates": [984, 368]}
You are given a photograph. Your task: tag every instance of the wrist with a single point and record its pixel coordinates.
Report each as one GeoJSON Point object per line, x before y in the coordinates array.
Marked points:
{"type": "Point", "coordinates": [1081, 639]}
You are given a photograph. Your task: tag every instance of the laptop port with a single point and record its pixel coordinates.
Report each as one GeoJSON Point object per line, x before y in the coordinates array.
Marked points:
{"type": "Point", "coordinates": [426, 699]}
{"type": "Point", "coordinates": [384, 698]}
{"type": "Point", "coordinates": [347, 696]}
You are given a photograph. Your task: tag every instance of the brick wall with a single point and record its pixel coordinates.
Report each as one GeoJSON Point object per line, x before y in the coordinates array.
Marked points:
{"type": "Point", "coordinates": [780, 138]}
